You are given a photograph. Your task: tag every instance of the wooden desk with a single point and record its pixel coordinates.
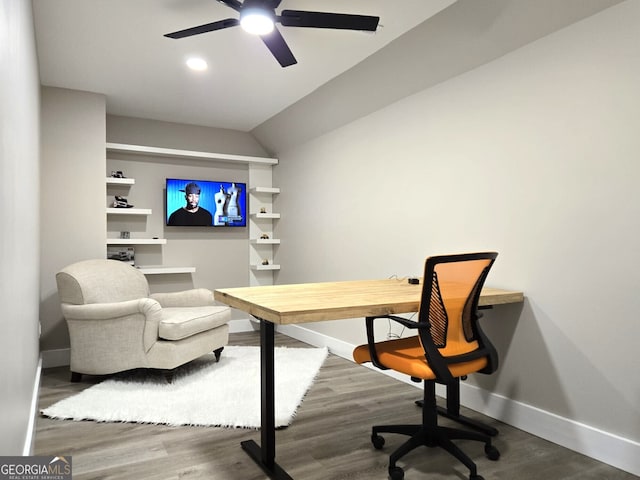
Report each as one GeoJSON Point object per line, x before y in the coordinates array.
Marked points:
{"type": "Point", "coordinates": [314, 302]}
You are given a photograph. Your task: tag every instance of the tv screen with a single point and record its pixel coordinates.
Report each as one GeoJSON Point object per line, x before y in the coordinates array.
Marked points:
{"type": "Point", "coordinates": [205, 203]}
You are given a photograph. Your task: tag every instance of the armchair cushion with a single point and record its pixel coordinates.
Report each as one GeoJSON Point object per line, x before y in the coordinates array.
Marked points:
{"type": "Point", "coordinates": [178, 323]}
{"type": "Point", "coordinates": [196, 297]}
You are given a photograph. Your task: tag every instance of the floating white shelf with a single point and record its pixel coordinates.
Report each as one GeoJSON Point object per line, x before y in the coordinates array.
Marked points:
{"type": "Point", "coordinates": [171, 152]}
{"type": "Point", "coordinates": [265, 241]}
{"type": "Point", "coordinates": [270, 190]}
{"type": "Point", "coordinates": [136, 241]}
{"type": "Point", "coordinates": [265, 215]}
{"type": "Point", "coordinates": [160, 269]}
{"type": "Point", "coordinates": [120, 181]}
{"type": "Point", "coordinates": [128, 211]}
{"type": "Point", "coordinates": [265, 267]}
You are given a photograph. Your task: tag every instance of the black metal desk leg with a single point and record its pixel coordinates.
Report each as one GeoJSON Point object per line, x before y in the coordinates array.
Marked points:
{"type": "Point", "coordinates": [265, 456]}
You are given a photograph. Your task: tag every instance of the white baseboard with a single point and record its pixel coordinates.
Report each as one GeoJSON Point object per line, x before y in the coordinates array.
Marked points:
{"type": "Point", "coordinates": [600, 445]}
{"type": "Point", "coordinates": [27, 448]}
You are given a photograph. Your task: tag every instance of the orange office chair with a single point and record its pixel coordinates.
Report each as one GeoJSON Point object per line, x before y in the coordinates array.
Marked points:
{"type": "Point", "coordinates": [449, 345]}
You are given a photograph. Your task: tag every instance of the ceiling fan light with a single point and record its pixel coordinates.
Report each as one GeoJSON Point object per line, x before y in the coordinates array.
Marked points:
{"type": "Point", "coordinates": [256, 21]}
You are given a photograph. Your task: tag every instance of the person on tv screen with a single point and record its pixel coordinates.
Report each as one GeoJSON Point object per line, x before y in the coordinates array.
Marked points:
{"type": "Point", "coordinates": [191, 214]}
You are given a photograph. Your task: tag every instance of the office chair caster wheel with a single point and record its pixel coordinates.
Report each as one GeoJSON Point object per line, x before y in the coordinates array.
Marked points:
{"type": "Point", "coordinates": [396, 473]}
{"type": "Point", "coordinates": [491, 452]}
{"type": "Point", "coordinates": [378, 442]}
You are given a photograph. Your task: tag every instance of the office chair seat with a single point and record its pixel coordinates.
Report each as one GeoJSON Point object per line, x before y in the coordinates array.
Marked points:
{"type": "Point", "coordinates": [406, 355]}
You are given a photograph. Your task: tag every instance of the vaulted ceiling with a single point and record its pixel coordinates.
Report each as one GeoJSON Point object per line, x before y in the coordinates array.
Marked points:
{"type": "Point", "coordinates": [118, 48]}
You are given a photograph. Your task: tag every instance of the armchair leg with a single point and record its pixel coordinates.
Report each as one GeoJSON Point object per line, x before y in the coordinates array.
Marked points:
{"type": "Point", "coordinates": [76, 377]}
{"type": "Point", "coordinates": [217, 353]}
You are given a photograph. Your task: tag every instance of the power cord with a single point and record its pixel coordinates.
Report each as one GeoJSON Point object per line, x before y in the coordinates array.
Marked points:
{"type": "Point", "coordinates": [390, 334]}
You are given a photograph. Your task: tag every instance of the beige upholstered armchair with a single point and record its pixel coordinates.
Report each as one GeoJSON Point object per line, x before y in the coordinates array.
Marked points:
{"type": "Point", "coordinates": [115, 324]}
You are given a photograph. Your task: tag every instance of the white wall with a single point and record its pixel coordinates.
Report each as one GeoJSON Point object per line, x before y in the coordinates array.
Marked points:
{"type": "Point", "coordinates": [19, 225]}
{"type": "Point", "coordinates": [533, 155]}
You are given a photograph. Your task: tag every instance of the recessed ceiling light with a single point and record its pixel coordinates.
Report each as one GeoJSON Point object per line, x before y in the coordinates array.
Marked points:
{"type": "Point", "coordinates": [197, 64]}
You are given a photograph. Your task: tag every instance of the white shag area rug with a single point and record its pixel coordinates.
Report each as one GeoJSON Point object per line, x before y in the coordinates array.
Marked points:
{"type": "Point", "coordinates": [203, 392]}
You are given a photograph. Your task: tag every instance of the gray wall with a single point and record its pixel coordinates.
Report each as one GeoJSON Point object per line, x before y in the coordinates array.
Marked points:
{"type": "Point", "coordinates": [73, 220]}
{"type": "Point", "coordinates": [533, 154]}
{"type": "Point", "coordinates": [19, 223]}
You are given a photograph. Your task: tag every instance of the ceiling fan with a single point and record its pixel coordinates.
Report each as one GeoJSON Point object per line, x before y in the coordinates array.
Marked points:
{"type": "Point", "coordinates": [259, 17]}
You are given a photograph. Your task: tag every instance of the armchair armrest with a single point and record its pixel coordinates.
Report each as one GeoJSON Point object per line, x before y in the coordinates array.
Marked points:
{"type": "Point", "coordinates": [150, 310]}
{"type": "Point", "coordinates": [197, 297]}
{"type": "Point", "coordinates": [106, 311]}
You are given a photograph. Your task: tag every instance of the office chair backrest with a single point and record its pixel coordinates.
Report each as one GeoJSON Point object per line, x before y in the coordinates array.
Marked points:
{"type": "Point", "coordinates": [452, 286]}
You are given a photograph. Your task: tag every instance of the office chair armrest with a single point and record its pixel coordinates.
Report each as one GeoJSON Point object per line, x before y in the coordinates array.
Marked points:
{"type": "Point", "coordinates": [371, 341]}
{"type": "Point", "coordinates": [440, 365]}
{"type": "Point", "coordinates": [405, 322]}
{"type": "Point", "coordinates": [437, 363]}
{"type": "Point", "coordinates": [492, 353]}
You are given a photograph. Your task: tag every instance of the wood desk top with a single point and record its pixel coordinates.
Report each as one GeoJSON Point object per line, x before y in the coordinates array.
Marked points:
{"type": "Point", "coordinates": [313, 302]}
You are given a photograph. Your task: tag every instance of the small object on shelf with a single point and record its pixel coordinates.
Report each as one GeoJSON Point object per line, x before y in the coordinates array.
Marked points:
{"type": "Point", "coordinates": [264, 236]}
{"type": "Point", "coordinates": [263, 210]}
{"type": "Point", "coordinates": [265, 262]}
{"type": "Point", "coordinates": [117, 174]}
{"type": "Point", "coordinates": [125, 234]}
{"type": "Point", "coordinates": [121, 202]}
{"type": "Point", "coordinates": [122, 254]}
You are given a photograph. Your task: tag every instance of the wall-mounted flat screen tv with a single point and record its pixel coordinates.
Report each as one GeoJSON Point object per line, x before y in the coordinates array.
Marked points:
{"type": "Point", "coordinates": [205, 203]}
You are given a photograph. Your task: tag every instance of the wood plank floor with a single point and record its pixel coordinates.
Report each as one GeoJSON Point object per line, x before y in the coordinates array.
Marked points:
{"type": "Point", "coordinates": [328, 440]}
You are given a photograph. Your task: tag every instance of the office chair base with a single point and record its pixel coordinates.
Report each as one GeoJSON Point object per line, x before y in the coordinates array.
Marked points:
{"type": "Point", "coordinates": [438, 437]}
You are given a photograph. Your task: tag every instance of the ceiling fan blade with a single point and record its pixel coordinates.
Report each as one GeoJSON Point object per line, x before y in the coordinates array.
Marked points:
{"type": "Point", "coordinates": [235, 4]}
{"type": "Point", "coordinates": [344, 21]}
{"type": "Point", "coordinates": [208, 27]}
{"type": "Point", "coordinates": [279, 48]}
